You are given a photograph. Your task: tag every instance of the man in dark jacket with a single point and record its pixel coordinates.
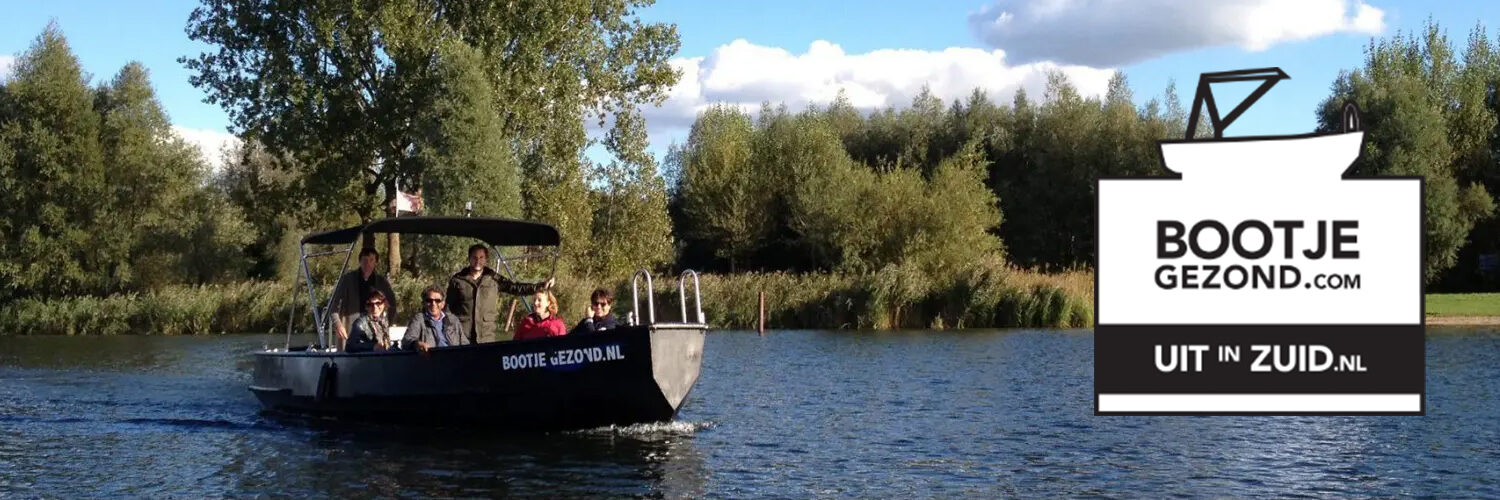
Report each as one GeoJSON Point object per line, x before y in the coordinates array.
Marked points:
{"type": "Point", "coordinates": [599, 319]}
{"type": "Point", "coordinates": [474, 295]}
{"type": "Point", "coordinates": [350, 292]}
{"type": "Point", "coordinates": [433, 327]}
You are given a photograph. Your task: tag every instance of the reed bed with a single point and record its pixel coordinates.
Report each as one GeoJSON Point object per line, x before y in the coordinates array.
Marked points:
{"type": "Point", "coordinates": [983, 295]}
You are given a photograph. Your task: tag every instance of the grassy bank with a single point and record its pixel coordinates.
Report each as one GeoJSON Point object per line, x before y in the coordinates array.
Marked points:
{"type": "Point", "coordinates": [983, 296]}
{"type": "Point", "coordinates": [1463, 304]}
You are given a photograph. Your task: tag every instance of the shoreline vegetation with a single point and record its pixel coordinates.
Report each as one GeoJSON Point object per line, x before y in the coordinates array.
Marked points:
{"type": "Point", "coordinates": [982, 297]}
{"type": "Point", "coordinates": [946, 212]}
{"type": "Point", "coordinates": [999, 297]}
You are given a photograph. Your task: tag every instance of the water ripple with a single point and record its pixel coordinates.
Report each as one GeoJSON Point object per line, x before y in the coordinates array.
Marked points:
{"type": "Point", "coordinates": [789, 415]}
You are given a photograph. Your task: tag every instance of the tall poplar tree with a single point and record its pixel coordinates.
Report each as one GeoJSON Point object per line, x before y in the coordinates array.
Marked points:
{"type": "Point", "coordinates": [53, 174]}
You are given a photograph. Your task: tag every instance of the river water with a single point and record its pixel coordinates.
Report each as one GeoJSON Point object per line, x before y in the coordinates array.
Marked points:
{"type": "Point", "coordinates": [794, 414]}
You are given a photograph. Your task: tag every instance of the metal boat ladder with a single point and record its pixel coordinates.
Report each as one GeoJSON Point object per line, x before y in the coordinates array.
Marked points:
{"type": "Point", "coordinates": [635, 300]}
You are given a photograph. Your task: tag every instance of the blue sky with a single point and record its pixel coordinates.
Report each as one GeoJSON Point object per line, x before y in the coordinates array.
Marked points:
{"type": "Point", "coordinates": [878, 51]}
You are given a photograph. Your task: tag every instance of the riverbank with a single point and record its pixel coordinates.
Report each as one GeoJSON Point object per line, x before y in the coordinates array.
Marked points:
{"type": "Point", "coordinates": [1463, 309]}
{"type": "Point", "coordinates": [980, 296]}
{"type": "Point", "coordinates": [1463, 320]}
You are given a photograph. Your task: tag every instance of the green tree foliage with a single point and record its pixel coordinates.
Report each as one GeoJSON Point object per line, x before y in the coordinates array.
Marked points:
{"type": "Point", "coordinates": [792, 156]}
{"type": "Point", "coordinates": [54, 178]}
{"type": "Point", "coordinates": [1045, 173]}
{"type": "Point", "coordinates": [262, 186]}
{"type": "Point", "coordinates": [465, 157]}
{"type": "Point", "coordinates": [923, 186]}
{"type": "Point", "coordinates": [336, 86]}
{"type": "Point", "coordinates": [151, 174]}
{"type": "Point", "coordinates": [104, 197]}
{"type": "Point", "coordinates": [208, 245]}
{"type": "Point", "coordinates": [1425, 115]}
{"type": "Point", "coordinates": [784, 193]}
{"type": "Point", "coordinates": [719, 196]}
{"type": "Point", "coordinates": [631, 228]}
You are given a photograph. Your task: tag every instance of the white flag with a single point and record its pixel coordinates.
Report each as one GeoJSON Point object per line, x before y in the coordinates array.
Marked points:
{"type": "Point", "coordinates": [408, 203]}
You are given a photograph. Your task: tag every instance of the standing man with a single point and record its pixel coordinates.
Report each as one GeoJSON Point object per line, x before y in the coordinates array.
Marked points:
{"type": "Point", "coordinates": [351, 290]}
{"type": "Point", "coordinates": [474, 295]}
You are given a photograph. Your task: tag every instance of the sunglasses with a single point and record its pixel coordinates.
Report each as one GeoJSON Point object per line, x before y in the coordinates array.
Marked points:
{"type": "Point", "coordinates": [374, 302]}
{"type": "Point", "coordinates": [433, 301]}
{"type": "Point", "coordinates": [601, 304]}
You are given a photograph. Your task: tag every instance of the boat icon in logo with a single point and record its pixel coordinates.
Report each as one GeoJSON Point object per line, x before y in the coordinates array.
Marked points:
{"type": "Point", "coordinates": [1256, 277]}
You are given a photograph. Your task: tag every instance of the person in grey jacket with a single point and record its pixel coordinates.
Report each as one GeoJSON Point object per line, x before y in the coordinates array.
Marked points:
{"type": "Point", "coordinates": [433, 327]}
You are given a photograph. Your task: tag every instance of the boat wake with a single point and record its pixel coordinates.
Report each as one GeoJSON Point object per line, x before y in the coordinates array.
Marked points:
{"type": "Point", "coordinates": [676, 428]}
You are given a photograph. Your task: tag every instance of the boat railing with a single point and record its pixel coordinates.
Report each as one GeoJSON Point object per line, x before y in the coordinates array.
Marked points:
{"type": "Point", "coordinates": [682, 296]}
{"type": "Point", "coordinates": [682, 299]}
{"type": "Point", "coordinates": [635, 300]}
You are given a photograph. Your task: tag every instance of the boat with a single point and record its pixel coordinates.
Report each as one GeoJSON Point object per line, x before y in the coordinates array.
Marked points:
{"type": "Point", "coordinates": [641, 372]}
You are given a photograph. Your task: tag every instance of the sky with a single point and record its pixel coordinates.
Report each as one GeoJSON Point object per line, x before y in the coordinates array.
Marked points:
{"type": "Point", "coordinates": [879, 52]}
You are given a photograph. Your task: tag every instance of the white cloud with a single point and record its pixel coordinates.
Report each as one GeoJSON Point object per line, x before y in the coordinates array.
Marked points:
{"type": "Point", "coordinates": [745, 74]}
{"type": "Point", "coordinates": [5, 64]}
{"type": "Point", "coordinates": [211, 143]}
{"type": "Point", "coordinates": [1111, 33]}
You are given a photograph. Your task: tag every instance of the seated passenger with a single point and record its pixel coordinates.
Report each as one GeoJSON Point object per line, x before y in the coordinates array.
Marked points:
{"type": "Point", "coordinates": [543, 321]}
{"type": "Point", "coordinates": [599, 318]}
{"type": "Point", "coordinates": [433, 327]}
{"type": "Point", "coordinates": [371, 330]}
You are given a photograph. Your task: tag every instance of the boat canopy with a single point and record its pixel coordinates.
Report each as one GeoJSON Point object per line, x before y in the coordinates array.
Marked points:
{"type": "Point", "coordinates": [492, 230]}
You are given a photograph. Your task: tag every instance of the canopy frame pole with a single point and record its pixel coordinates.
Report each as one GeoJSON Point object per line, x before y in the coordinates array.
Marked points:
{"type": "Point", "coordinates": [501, 261]}
{"type": "Point", "coordinates": [320, 316]}
{"type": "Point", "coordinates": [328, 310]}
{"type": "Point", "coordinates": [291, 316]}
{"type": "Point", "coordinates": [312, 299]}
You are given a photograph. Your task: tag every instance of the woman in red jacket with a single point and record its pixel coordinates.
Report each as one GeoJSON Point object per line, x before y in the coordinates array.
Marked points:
{"type": "Point", "coordinates": [543, 321]}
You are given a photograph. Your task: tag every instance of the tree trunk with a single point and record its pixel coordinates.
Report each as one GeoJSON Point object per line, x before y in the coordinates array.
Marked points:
{"type": "Point", "coordinates": [368, 240]}
{"type": "Point", "coordinates": [393, 246]}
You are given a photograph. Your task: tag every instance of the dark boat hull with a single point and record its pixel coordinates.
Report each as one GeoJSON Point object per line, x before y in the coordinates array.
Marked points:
{"type": "Point", "coordinates": [632, 375]}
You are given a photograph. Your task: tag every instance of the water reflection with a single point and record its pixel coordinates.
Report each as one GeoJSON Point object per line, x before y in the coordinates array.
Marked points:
{"type": "Point", "coordinates": [325, 459]}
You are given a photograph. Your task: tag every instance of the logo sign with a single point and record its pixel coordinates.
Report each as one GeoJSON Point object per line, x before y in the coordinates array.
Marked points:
{"type": "Point", "coordinates": [1259, 279]}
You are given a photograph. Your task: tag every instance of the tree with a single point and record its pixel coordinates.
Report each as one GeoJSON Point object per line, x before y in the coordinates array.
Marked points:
{"type": "Point", "coordinates": [335, 86]}
{"type": "Point", "coordinates": [631, 227]}
{"type": "Point", "coordinates": [54, 177]}
{"type": "Point", "coordinates": [790, 155]}
{"type": "Point", "coordinates": [1475, 134]}
{"type": "Point", "coordinates": [464, 157]}
{"type": "Point", "coordinates": [720, 196]}
{"type": "Point", "coordinates": [1405, 92]}
{"type": "Point", "coordinates": [263, 187]}
{"type": "Point", "coordinates": [149, 173]}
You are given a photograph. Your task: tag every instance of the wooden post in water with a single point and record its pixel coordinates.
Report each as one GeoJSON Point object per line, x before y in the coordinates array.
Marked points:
{"type": "Point", "coordinates": [762, 310]}
{"type": "Point", "coordinates": [510, 315]}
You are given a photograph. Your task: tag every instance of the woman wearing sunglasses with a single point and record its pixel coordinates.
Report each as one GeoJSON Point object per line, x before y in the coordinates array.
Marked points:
{"type": "Point", "coordinates": [599, 319]}
{"type": "Point", "coordinates": [371, 331]}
